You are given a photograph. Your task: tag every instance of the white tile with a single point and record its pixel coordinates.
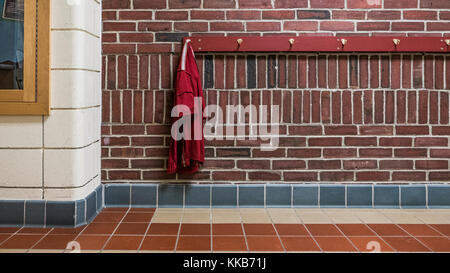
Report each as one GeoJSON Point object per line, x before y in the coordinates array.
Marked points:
{"type": "Point", "coordinates": [21, 168]}
{"type": "Point", "coordinates": [20, 194]}
{"type": "Point", "coordinates": [75, 50]}
{"type": "Point", "coordinates": [79, 14]}
{"type": "Point", "coordinates": [75, 88]}
{"type": "Point", "coordinates": [20, 131]}
{"type": "Point", "coordinates": [71, 167]}
{"type": "Point", "coordinates": [72, 128]}
{"type": "Point", "coordinates": [71, 194]}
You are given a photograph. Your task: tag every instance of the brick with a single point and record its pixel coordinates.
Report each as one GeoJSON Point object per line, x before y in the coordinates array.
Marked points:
{"type": "Point", "coordinates": [327, 4]}
{"type": "Point", "coordinates": [300, 176]}
{"type": "Point", "coordinates": [395, 141]}
{"type": "Point", "coordinates": [128, 129]}
{"type": "Point", "coordinates": [343, 71]}
{"type": "Point", "coordinates": [410, 152]}
{"type": "Point", "coordinates": [339, 152]}
{"type": "Point", "coordinates": [191, 26]}
{"type": "Point", "coordinates": [372, 26]}
{"type": "Point", "coordinates": [396, 164]}
{"type": "Point", "coordinates": [275, 153]}
{"type": "Point", "coordinates": [348, 14]}
{"type": "Point", "coordinates": [233, 152]}
{"type": "Point", "coordinates": [154, 4]}
{"type": "Point", "coordinates": [440, 153]}
{"type": "Point", "coordinates": [304, 153]}
{"type": "Point", "coordinates": [291, 4]}
{"type": "Point", "coordinates": [263, 26]}
{"type": "Point", "coordinates": [226, 26]}
{"type": "Point", "coordinates": [253, 164]}
{"type": "Point", "coordinates": [341, 130]}
{"type": "Point", "coordinates": [147, 163]}
{"type": "Point", "coordinates": [288, 164]}
{"type": "Point", "coordinates": [324, 164]}
{"type": "Point", "coordinates": [136, 37]}
{"type": "Point", "coordinates": [214, 4]}
{"type": "Point", "coordinates": [164, 15]}
{"type": "Point", "coordinates": [184, 4]}
{"type": "Point", "coordinates": [376, 130]}
{"type": "Point", "coordinates": [147, 141]}
{"type": "Point", "coordinates": [278, 14]}
{"type": "Point", "coordinates": [115, 141]}
{"type": "Point", "coordinates": [441, 130]}
{"type": "Point", "coordinates": [419, 15]}
{"type": "Point", "coordinates": [430, 141]}
{"type": "Point", "coordinates": [243, 14]}
{"type": "Point", "coordinates": [258, 4]}
{"type": "Point", "coordinates": [412, 130]}
{"type": "Point", "coordinates": [360, 164]}
{"type": "Point", "coordinates": [207, 15]}
{"type": "Point", "coordinates": [375, 152]}
{"type": "Point", "coordinates": [228, 175]}
{"type": "Point", "coordinates": [157, 175]}
{"type": "Point", "coordinates": [372, 176]}
{"type": "Point", "coordinates": [444, 15]}
{"type": "Point", "coordinates": [305, 130]}
{"type": "Point", "coordinates": [116, 4]}
{"type": "Point", "coordinates": [438, 26]}
{"type": "Point", "coordinates": [154, 26]}
{"type": "Point", "coordinates": [156, 152]}
{"type": "Point", "coordinates": [435, 4]}
{"type": "Point", "coordinates": [119, 26]}
{"type": "Point", "coordinates": [360, 141]}
{"type": "Point", "coordinates": [264, 176]}
{"type": "Point", "coordinates": [336, 176]}
{"type": "Point", "coordinates": [127, 152]}
{"type": "Point", "coordinates": [363, 4]}
{"type": "Point", "coordinates": [109, 15]}
{"type": "Point", "coordinates": [328, 141]}
{"type": "Point", "coordinates": [154, 48]}
{"type": "Point", "coordinates": [384, 15]}
{"type": "Point", "coordinates": [218, 164]}
{"type": "Point", "coordinates": [124, 175]}
{"type": "Point", "coordinates": [313, 14]}
{"type": "Point", "coordinates": [135, 15]}
{"type": "Point", "coordinates": [170, 36]}
{"type": "Point", "coordinates": [400, 4]}
{"type": "Point", "coordinates": [431, 164]}
{"type": "Point", "coordinates": [301, 25]}
{"type": "Point", "coordinates": [337, 25]}
{"type": "Point", "coordinates": [408, 26]}
{"type": "Point", "coordinates": [439, 176]}
{"type": "Point", "coordinates": [408, 176]}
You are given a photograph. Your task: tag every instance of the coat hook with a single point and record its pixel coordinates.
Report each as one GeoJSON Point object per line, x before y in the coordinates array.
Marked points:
{"type": "Point", "coordinates": [447, 41]}
{"type": "Point", "coordinates": [291, 41]}
{"type": "Point", "coordinates": [396, 42]}
{"type": "Point", "coordinates": [344, 42]}
{"type": "Point", "coordinates": [239, 41]}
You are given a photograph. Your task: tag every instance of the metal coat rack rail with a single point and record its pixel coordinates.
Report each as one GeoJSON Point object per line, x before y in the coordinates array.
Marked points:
{"type": "Point", "coordinates": [319, 44]}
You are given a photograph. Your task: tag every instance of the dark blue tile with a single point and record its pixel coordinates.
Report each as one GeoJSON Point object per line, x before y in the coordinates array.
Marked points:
{"type": "Point", "coordinates": [332, 196]}
{"type": "Point", "coordinates": [386, 196]}
{"type": "Point", "coordinates": [143, 196]}
{"type": "Point", "coordinates": [278, 195]}
{"type": "Point", "coordinates": [117, 195]}
{"type": "Point", "coordinates": [359, 196]}
{"type": "Point", "coordinates": [12, 212]}
{"type": "Point", "coordinates": [439, 196]}
{"type": "Point", "coordinates": [197, 196]}
{"type": "Point", "coordinates": [413, 196]}
{"type": "Point", "coordinates": [99, 192]}
{"type": "Point", "coordinates": [224, 196]}
{"type": "Point", "coordinates": [91, 206]}
{"type": "Point", "coordinates": [170, 196]}
{"type": "Point", "coordinates": [251, 196]}
{"type": "Point", "coordinates": [80, 217]}
{"type": "Point", "coordinates": [60, 214]}
{"type": "Point", "coordinates": [306, 196]}
{"type": "Point", "coordinates": [35, 213]}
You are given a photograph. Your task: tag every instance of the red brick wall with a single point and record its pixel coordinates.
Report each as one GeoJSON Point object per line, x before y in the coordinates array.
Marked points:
{"type": "Point", "coordinates": [345, 117]}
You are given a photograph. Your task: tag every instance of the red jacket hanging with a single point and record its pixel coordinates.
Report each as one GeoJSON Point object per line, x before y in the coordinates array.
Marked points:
{"type": "Point", "coordinates": [188, 152]}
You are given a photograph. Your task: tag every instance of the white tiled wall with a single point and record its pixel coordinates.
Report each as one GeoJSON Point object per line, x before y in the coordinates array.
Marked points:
{"type": "Point", "coordinates": [58, 157]}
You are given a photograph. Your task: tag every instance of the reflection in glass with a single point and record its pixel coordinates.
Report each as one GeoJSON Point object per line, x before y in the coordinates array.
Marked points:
{"type": "Point", "coordinates": [11, 44]}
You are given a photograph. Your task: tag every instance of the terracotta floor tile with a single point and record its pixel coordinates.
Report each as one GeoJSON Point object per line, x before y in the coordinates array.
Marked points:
{"type": "Point", "coordinates": [109, 217]}
{"type": "Point", "coordinates": [355, 230]}
{"type": "Point", "coordinates": [299, 243]}
{"type": "Point", "coordinates": [419, 230]}
{"type": "Point", "coordinates": [323, 230]}
{"type": "Point", "coordinates": [442, 228]}
{"type": "Point", "coordinates": [3, 237]}
{"type": "Point", "coordinates": [227, 229]}
{"type": "Point", "coordinates": [387, 230]}
{"type": "Point", "coordinates": [159, 243]}
{"type": "Point", "coordinates": [100, 228]}
{"type": "Point", "coordinates": [194, 243]}
{"type": "Point", "coordinates": [259, 229]}
{"type": "Point", "coordinates": [195, 229]}
{"type": "Point", "coordinates": [334, 244]}
{"type": "Point", "coordinates": [92, 242]}
{"type": "Point", "coordinates": [115, 209]}
{"type": "Point", "coordinates": [437, 244]}
{"type": "Point", "coordinates": [30, 230]}
{"type": "Point", "coordinates": [264, 243]}
{"type": "Point", "coordinates": [405, 244]}
{"type": "Point", "coordinates": [119, 242]}
{"type": "Point", "coordinates": [7, 230]}
{"type": "Point", "coordinates": [291, 229]}
{"type": "Point", "coordinates": [143, 210]}
{"type": "Point", "coordinates": [132, 229]}
{"type": "Point", "coordinates": [163, 229]}
{"type": "Point", "coordinates": [229, 243]}
{"type": "Point", "coordinates": [21, 241]}
{"type": "Point", "coordinates": [138, 217]}
{"type": "Point", "coordinates": [370, 244]}
{"type": "Point", "coordinates": [67, 231]}
{"type": "Point", "coordinates": [54, 242]}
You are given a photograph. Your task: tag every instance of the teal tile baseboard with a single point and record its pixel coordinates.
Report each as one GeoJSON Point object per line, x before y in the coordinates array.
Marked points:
{"type": "Point", "coordinates": [41, 213]}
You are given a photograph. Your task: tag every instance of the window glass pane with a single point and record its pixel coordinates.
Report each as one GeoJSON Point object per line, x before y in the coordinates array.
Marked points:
{"type": "Point", "coordinates": [11, 44]}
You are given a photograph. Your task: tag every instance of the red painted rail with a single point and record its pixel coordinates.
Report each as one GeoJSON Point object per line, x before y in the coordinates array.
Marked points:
{"type": "Point", "coordinates": [320, 44]}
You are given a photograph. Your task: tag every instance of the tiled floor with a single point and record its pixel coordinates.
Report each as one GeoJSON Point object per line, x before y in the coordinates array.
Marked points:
{"type": "Point", "coordinates": [243, 230]}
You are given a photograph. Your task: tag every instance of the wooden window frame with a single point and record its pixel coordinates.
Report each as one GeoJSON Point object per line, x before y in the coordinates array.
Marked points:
{"type": "Point", "coordinates": [34, 98]}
